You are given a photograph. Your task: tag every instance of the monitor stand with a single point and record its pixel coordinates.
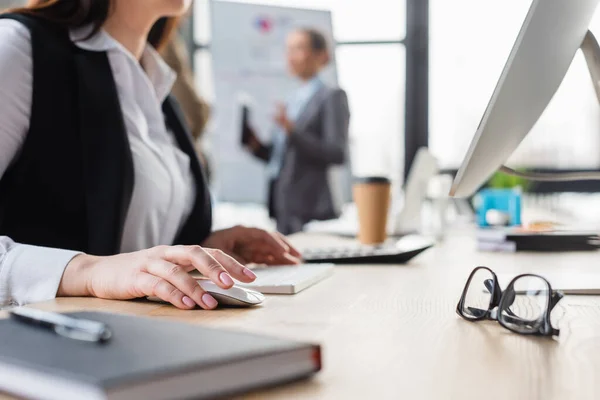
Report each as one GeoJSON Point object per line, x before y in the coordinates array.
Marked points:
{"type": "Point", "coordinates": [591, 52]}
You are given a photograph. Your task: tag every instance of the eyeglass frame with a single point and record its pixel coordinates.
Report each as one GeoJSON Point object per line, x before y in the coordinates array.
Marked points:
{"type": "Point", "coordinates": [497, 298]}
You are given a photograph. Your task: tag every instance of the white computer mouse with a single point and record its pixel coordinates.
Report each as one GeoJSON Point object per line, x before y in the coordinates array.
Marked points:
{"type": "Point", "coordinates": [235, 297]}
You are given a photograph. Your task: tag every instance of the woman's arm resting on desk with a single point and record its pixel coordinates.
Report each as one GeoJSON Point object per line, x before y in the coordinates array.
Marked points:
{"type": "Point", "coordinates": [162, 271]}
{"type": "Point", "coordinates": [331, 148]}
{"type": "Point", "coordinates": [27, 273]}
{"type": "Point", "coordinates": [30, 274]}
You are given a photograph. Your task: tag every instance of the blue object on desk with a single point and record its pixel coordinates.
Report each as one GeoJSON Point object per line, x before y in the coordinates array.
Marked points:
{"type": "Point", "coordinates": [507, 201]}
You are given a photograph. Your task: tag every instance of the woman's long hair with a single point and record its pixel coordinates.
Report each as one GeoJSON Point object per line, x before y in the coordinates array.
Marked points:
{"type": "Point", "coordinates": [77, 13]}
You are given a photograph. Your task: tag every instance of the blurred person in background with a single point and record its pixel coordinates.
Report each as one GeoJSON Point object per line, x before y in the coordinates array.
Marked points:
{"type": "Point", "coordinates": [312, 137]}
{"type": "Point", "coordinates": [101, 191]}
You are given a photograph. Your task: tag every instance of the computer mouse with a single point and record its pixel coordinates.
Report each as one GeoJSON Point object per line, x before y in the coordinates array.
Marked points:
{"type": "Point", "coordinates": [235, 297]}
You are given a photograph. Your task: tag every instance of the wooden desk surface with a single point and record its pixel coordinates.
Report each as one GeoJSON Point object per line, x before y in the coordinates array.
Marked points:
{"type": "Point", "coordinates": [391, 332]}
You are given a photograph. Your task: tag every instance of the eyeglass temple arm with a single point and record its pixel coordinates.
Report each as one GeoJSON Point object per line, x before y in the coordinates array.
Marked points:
{"type": "Point", "coordinates": [555, 298]}
{"type": "Point", "coordinates": [547, 327]}
{"type": "Point", "coordinates": [490, 285]}
{"type": "Point", "coordinates": [475, 310]}
{"type": "Point", "coordinates": [490, 314]}
{"type": "Point", "coordinates": [513, 319]}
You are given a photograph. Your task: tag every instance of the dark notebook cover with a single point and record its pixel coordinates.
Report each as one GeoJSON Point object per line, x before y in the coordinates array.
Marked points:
{"type": "Point", "coordinates": [541, 241]}
{"type": "Point", "coordinates": [141, 349]}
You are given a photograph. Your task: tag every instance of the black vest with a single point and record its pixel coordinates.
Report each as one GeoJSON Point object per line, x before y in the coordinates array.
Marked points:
{"type": "Point", "coordinates": [70, 187]}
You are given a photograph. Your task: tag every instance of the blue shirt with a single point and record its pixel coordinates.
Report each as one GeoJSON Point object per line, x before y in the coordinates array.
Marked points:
{"type": "Point", "coordinates": [295, 105]}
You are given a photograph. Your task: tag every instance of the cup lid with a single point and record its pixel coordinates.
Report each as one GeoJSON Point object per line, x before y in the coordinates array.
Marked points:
{"type": "Point", "coordinates": [371, 179]}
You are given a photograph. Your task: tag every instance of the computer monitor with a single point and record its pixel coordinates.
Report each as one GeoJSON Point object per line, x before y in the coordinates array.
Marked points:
{"type": "Point", "coordinates": [552, 33]}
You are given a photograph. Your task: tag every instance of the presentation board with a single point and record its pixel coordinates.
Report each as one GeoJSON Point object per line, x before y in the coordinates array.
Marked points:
{"type": "Point", "coordinates": [249, 65]}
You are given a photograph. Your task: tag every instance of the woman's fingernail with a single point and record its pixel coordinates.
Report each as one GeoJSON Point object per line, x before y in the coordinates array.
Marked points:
{"type": "Point", "coordinates": [226, 279]}
{"type": "Point", "coordinates": [249, 273]}
{"type": "Point", "coordinates": [188, 302]}
{"type": "Point", "coordinates": [209, 301]}
{"type": "Point", "coordinates": [292, 259]}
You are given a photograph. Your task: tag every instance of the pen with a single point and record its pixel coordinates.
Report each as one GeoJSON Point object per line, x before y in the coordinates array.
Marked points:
{"type": "Point", "coordinates": [63, 325]}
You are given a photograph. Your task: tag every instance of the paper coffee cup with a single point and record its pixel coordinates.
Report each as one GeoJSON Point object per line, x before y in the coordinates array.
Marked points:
{"type": "Point", "coordinates": [372, 199]}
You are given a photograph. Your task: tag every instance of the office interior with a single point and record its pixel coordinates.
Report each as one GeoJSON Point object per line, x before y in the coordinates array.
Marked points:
{"type": "Point", "coordinates": [418, 75]}
{"type": "Point", "coordinates": [417, 78]}
{"type": "Point", "coordinates": [414, 78]}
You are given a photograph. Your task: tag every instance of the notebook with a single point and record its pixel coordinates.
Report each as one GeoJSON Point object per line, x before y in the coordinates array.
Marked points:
{"type": "Point", "coordinates": [146, 359]}
{"type": "Point", "coordinates": [510, 240]}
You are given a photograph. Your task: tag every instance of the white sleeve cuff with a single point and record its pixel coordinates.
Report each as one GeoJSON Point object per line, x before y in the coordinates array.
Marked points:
{"type": "Point", "coordinates": [32, 274]}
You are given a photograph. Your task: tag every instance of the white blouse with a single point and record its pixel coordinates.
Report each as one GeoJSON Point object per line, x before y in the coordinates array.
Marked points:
{"type": "Point", "coordinates": [164, 189]}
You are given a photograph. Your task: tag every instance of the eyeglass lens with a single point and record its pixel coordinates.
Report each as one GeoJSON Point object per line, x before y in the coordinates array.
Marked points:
{"type": "Point", "coordinates": [478, 296]}
{"type": "Point", "coordinates": [524, 304]}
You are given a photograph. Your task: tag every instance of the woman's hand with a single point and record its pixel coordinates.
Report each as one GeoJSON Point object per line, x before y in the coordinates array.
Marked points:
{"type": "Point", "coordinates": [161, 272]}
{"type": "Point", "coordinates": [251, 245]}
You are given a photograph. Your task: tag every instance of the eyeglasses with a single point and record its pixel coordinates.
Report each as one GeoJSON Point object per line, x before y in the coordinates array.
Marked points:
{"type": "Point", "coordinates": [524, 307]}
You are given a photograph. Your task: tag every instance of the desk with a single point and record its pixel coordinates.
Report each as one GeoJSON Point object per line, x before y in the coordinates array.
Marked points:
{"type": "Point", "coordinates": [391, 332]}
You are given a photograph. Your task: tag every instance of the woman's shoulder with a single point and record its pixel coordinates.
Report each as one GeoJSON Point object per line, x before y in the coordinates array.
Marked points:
{"type": "Point", "coordinates": [13, 29]}
{"type": "Point", "coordinates": [15, 49]}
{"type": "Point", "coordinates": [25, 29]}
{"type": "Point", "coordinates": [27, 32]}
{"type": "Point", "coordinates": [14, 36]}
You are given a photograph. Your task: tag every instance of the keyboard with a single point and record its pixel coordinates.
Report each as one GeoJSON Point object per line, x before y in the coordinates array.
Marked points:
{"type": "Point", "coordinates": [397, 253]}
{"type": "Point", "coordinates": [288, 279]}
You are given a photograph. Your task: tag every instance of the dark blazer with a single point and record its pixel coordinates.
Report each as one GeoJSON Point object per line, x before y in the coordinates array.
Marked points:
{"type": "Point", "coordinates": [301, 192]}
